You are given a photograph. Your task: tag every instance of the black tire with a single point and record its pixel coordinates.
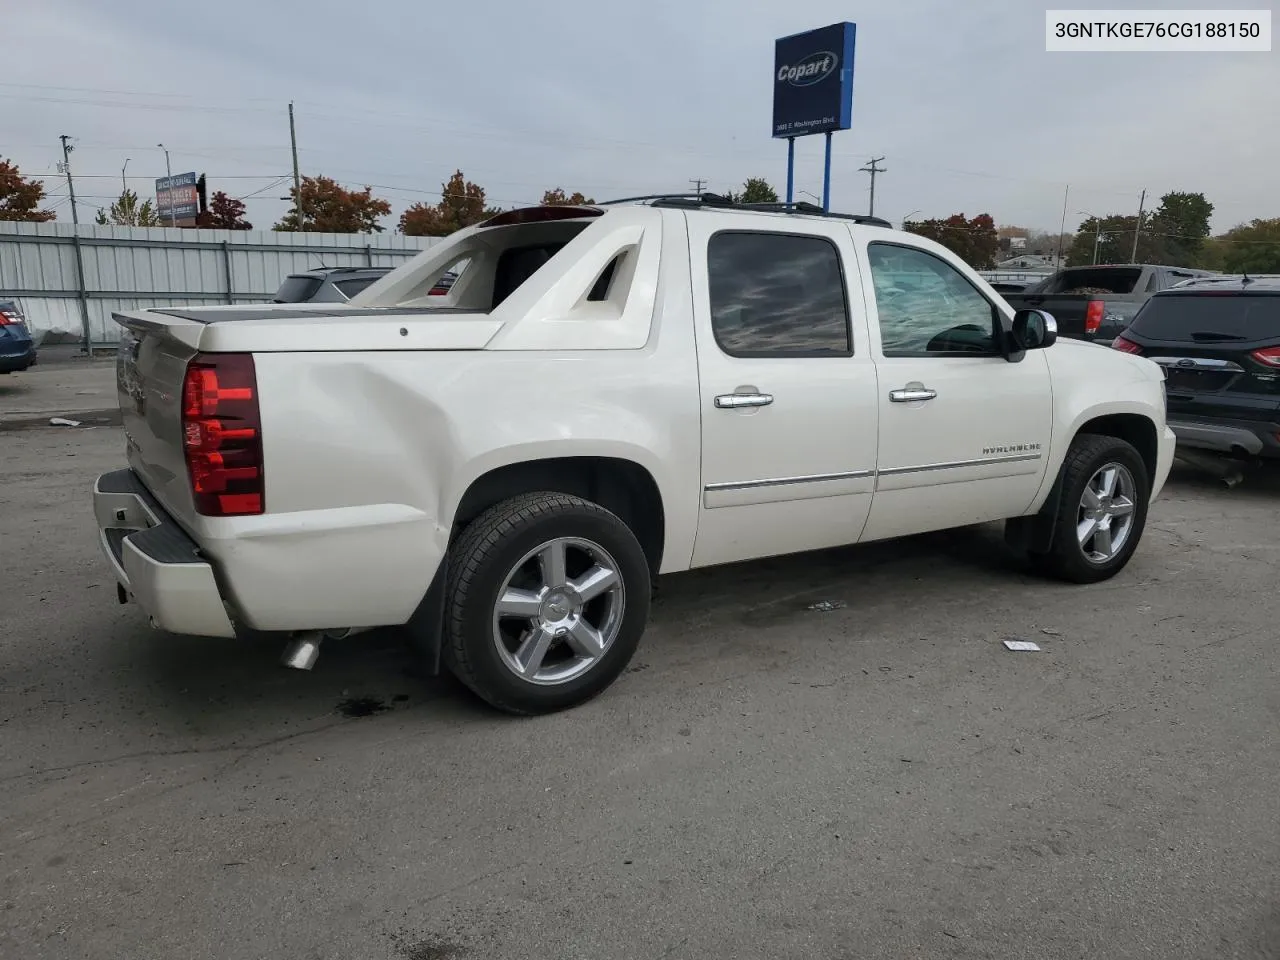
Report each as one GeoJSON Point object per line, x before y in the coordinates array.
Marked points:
{"type": "Point", "coordinates": [480, 561]}
{"type": "Point", "coordinates": [1066, 558]}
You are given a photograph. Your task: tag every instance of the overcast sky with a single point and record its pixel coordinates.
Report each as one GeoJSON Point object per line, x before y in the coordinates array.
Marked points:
{"type": "Point", "coordinates": [961, 98]}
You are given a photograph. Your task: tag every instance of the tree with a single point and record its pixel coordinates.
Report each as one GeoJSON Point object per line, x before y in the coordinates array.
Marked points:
{"type": "Point", "coordinates": [557, 198]}
{"type": "Point", "coordinates": [461, 205]}
{"type": "Point", "coordinates": [128, 212]}
{"type": "Point", "coordinates": [754, 190]}
{"type": "Point", "coordinates": [19, 197]}
{"type": "Point", "coordinates": [974, 241]}
{"type": "Point", "coordinates": [327, 207]}
{"type": "Point", "coordinates": [224, 213]}
{"type": "Point", "coordinates": [1182, 222]}
{"type": "Point", "coordinates": [1112, 238]}
{"type": "Point", "coordinates": [1252, 248]}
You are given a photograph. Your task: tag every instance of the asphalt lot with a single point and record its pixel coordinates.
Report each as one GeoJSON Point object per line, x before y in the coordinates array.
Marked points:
{"type": "Point", "coordinates": [880, 780]}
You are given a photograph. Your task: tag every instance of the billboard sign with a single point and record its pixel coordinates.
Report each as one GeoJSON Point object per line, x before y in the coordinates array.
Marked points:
{"type": "Point", "coordinates": [813, 81]}
{"type": "Point", "coordinates": [177, 197]}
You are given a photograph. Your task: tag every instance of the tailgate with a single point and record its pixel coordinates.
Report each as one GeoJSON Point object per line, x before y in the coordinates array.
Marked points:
{"type": "Point", "coordinates": [151, 362]}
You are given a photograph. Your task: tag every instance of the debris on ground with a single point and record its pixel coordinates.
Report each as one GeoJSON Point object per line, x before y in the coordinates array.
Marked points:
{"type": "Point", "coordinates": [1029, 646]}
{"type": "Point", "coordinates": [825, 606]}
{"type": "Point", "coordinates": [63, 422]}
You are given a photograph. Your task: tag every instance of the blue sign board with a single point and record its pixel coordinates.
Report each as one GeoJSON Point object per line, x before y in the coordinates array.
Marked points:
{"type": "Point", "coordinates": [813, 81]}
{"type": "Point", "coordinates": [177, 197]}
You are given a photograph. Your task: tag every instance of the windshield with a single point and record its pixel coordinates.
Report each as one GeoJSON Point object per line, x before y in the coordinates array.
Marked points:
{"type": "Point", "coordinates": [1205, 316]}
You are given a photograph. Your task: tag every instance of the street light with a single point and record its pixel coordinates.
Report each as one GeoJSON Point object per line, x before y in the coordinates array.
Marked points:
{"type": "Point", "coordinates": [907, 218]}
{"type": "Point", "coordinates": [124, 184]}
{"type": "Point", "coordinates": [808, 194]}
{"type": "Point", "coordinates": [168, 175]}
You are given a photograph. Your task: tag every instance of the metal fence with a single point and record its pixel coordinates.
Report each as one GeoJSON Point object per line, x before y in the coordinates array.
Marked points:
{"type": "Point", "coordinates": [68, 280]}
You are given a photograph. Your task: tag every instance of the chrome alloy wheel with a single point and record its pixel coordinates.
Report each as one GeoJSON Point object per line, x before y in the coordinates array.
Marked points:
{"type": "Point", "coordinates": [558, 611]}
{"type": "Point", "coordinates": [1105, 518]}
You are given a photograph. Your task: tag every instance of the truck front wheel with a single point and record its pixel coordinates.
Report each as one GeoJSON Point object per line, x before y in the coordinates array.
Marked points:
{"type": "Point", "coordinates": [548, 595]}
{"type": "Point", "coordinates": [1102, 512]}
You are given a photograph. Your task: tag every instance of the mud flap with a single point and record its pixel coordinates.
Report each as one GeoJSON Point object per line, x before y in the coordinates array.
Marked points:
{"type": "Point", "coordinates": [425, 628]}
{"type": "Point", "coordinates": [1034, 534]}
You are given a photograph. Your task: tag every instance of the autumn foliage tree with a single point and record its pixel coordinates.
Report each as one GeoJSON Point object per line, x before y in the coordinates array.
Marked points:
{"type": "Point", "coordinates": [19, 197]}
{"type": "Point", "coordinates": [974, 241]}
{"type": "Point", "coordinates": [224, 213]}
{"type": "Point", "coordinates": [462, 204]}
{"type": "Point", "coordinates": [557, 198]}
{"type": "Point", "coordinates": [328, 207]}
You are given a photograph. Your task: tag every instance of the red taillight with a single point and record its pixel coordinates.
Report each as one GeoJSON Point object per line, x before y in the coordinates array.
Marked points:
{"type": "Point", "coordinates": [1268, 355]}
{"type": "Point", "coordinates": [1126, 346]}
{"type": "Point", "coordinates": [222, 435]}
{"type": "Point", "coordinates": [1093, 316]}
{"type": "Point", "coordinates": [7, 318]}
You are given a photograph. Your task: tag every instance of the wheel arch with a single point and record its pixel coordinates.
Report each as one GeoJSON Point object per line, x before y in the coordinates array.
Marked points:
{"type": "Point", "coordinates": [621, 485]}
{"type": "Point", "coordinates": [1133, 424]}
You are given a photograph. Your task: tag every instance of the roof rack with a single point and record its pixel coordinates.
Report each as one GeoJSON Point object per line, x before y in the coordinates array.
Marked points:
{"type": "Point", "coordinates": [694, 201]}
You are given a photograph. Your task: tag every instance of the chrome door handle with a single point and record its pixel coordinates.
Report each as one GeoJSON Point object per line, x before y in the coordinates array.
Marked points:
{"type": "Point", "coordinates": [728, 401]}
{"type": "Point", "coordinates": [911, 394]}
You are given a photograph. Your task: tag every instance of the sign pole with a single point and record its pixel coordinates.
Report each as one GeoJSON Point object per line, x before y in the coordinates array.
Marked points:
{"type": "Point", "coordinates": [826, 177]}
{"type": "Point", "coordinates": [791, 167]}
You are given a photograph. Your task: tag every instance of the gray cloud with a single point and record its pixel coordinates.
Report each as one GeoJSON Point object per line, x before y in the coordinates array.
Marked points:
{"type": "Point", "coordinates": [970, 111]}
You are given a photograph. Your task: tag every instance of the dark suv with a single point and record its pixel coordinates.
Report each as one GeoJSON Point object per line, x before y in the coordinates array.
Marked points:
{"type": "Point", "coordinates": [1218, 340]}
{"type": "Point", "coordinates": [328, 284]}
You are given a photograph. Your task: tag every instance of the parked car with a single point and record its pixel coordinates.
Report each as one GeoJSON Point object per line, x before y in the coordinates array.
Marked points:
{"type": "Point", "coordinates": [17, 348]}
{"type": "Point", "coordinates": [327, 284]}
{"type": "Point", "coordinates": [1218, 339]}
{"type": "Point", "coordinates": [605, 395]}
{"type": "Point", "coordinates": [1096, 303]}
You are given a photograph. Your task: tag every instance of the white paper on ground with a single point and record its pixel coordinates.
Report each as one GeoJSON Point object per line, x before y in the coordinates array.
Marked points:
{"type": "Point", "coordinates": [1021, 645]}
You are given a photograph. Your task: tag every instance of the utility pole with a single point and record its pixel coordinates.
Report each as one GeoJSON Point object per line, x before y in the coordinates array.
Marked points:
{"type": "Point", "coordinates": [1097, 239]}
{"type": "Point", "coordinates": [66, 166]}
{"type": "Point", "coordinates": [168, 175]}
{"type": "Point", "coordinates": [873, 169]}
{"type": "Point", "coordinates": [1137, 228]}
{"type": "Point", "coordinates": [79, 253]}
{"type": "Point", "coordinates": [297, 179]}
{"type": "Point", "coordinates": [697, 185]}
{"type": "Point", "coordinates": [1062, 227]}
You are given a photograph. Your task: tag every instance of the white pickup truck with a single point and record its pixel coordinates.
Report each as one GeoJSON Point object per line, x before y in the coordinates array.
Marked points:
{"type": "Point", "coordinates": [606, 393]}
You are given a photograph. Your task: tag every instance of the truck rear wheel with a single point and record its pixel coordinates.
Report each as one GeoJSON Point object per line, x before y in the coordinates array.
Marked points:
{"type": "Point", "coordinates": [548, 595]}
{"type": "Point", "coordinates": [1102, 512]}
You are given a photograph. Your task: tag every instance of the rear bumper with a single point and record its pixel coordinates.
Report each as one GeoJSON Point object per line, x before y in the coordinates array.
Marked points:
{"type": "Point", "coordinates": [1254, 438]}
{"type": "Point", "coordinates": [155, 561]}
{"type": "Point", "coordinates": [13, 362]}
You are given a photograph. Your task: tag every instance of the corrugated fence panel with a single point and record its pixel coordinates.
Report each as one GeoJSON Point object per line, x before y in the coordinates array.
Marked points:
{"type": "Point", "coordinates": [127, 268]}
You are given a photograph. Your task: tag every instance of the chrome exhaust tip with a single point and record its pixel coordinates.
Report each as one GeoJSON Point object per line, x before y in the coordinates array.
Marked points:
{"type": "Point", "coordinates": [302, 652]}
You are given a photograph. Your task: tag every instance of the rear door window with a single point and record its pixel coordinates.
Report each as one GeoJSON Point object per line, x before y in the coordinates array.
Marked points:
{"type": "Point", "coordinates": [1209, 317]}
{"type": "Point", "coordinates": [777, 295]}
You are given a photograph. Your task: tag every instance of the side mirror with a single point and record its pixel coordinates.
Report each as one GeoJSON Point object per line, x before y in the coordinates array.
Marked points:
{"type": "Point", "coordinates": [1033, 330]}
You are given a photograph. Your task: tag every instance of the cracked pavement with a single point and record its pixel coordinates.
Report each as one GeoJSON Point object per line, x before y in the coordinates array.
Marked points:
{"type": "Point", "coordinates": [883, 779]}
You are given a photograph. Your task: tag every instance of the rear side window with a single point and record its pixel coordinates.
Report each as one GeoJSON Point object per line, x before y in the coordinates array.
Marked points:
{"type": "Point", "coordinates": [297, 289]}
{"type": "Point", "coordinates": [350, 288]}
{"type": "Point", "coordinates": [1209, 317]}
{"type": "Point", "coordinates": [777, 295]}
